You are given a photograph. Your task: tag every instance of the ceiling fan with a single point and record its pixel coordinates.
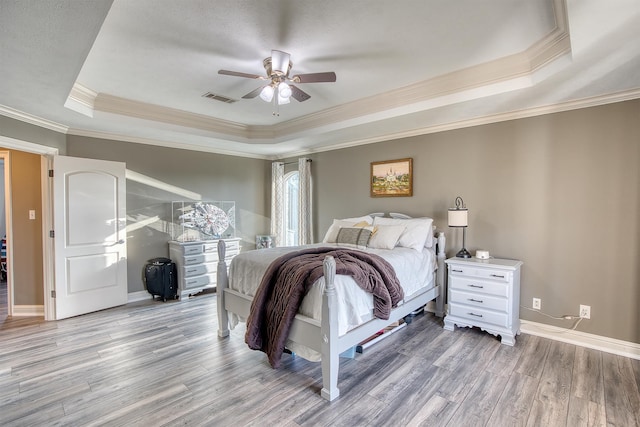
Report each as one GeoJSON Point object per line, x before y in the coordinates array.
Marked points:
{"type": "Point", "coordinates": [279, 87]}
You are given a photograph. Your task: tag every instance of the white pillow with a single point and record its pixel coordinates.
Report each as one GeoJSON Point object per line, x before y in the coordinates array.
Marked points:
{"type": "Point", "coordinates": [367, 218]}
{"type": "Point", "coordinates": [418, 232]}
{"type": "Point", "coordinates": [332, 232]}
{"type": "Point", "coordinates": [385, 236]}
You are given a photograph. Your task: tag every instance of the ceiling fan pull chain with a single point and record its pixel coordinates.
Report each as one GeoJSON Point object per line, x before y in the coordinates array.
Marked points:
{"type": "Point", "coordinates": [276, 106]}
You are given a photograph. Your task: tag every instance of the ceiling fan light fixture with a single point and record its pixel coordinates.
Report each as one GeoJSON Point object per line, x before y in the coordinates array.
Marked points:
{"type": "Point", "coordinates": [284, 90]}
{"type": "Point", "coordinates": [267, 93]}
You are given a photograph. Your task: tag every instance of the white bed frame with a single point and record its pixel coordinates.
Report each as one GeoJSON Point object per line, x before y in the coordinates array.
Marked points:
{"type": "Point", "coordinates": [322, 336]}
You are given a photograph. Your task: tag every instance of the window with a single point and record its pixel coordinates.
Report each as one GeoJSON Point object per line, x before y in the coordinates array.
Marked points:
{"type": "Point", "coordinates": [291, 189]}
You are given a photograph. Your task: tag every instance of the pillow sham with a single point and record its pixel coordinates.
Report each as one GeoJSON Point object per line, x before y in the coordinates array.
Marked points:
{"type": "Point", "coordinates": [385, 236]}
{"type": "Point", "coordinates": [354, 237]}
{"type": "Point", "coordinates": [418, 232]}
{"type": "Point", "coordinates": [332, 233]}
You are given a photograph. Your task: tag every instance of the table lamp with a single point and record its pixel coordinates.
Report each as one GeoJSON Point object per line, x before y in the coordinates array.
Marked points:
{"type": "Point", "coordinates": [458, 218]}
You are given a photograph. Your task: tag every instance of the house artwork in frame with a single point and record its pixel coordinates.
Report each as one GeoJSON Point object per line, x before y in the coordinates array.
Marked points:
{"type": "Point", "coordinates": [392, 178]}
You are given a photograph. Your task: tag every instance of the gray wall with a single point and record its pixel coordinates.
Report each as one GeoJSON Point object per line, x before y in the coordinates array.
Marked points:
{"type": "Point", "coordinates": [561, 192]}
{"type": "Point", "coordinates": [213, 176]}
{"type": "Point", "coordinates": [25, 132]}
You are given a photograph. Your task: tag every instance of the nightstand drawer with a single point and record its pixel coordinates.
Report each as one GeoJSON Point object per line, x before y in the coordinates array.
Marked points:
{"type": "Point", "coordinates": [479, 300]}
{"type": "Point", "coordinates": [480, 286]}
{"type": "Point", "coordinates": [480, 273]}
{"type": "Point", "coordinates": [475, 314]}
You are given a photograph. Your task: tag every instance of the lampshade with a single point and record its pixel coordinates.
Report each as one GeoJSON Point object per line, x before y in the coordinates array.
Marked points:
{"type": "Point", "coordinates": [284, 90]}
{"type": "Point", "coordinates": [458, 217]}
{"type": "Point", "coordinates": [267, 93]}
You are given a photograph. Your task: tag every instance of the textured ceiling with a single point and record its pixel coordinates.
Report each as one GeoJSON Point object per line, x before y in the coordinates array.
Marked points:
{"type": "Point", "coordinates": [138, 70]}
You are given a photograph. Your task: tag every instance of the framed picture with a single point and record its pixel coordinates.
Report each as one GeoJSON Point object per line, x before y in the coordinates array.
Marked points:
{"type": "Point", "coordinates": [392, 178]}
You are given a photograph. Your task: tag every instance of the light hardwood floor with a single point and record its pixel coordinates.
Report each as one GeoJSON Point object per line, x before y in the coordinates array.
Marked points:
{"type": "Point", "coordinates": [153, 363]}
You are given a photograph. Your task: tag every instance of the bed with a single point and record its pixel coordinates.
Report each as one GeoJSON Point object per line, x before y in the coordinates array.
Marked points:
{"type": "Point", "coordinates": [319, 330]}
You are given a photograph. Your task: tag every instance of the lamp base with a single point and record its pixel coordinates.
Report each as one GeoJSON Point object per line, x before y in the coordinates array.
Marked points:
{"type": "Point", "coordinates": [463, 253]}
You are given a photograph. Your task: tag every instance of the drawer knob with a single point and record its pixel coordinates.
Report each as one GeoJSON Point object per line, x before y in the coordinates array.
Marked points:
{"type": "Point", "coordinates": [473, 314]}
{"type": "Point", "coordinates": [476, 300]}
{"type": "Point", "coordinates": [457, 271]}
{"type": "Point", "coordinates": [500, 276]}
{"type": "Point", "coordinates": [476, 286]}
{"type": "Point", "coordinates": [192, 271]}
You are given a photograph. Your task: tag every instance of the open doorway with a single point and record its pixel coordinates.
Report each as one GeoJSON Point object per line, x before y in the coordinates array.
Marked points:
{"type": "Point", "coordinates": [4, 302]}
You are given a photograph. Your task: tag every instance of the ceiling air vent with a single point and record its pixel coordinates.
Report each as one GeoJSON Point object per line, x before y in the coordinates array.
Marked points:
{"type": "Point", "coordinates": [219, 98]}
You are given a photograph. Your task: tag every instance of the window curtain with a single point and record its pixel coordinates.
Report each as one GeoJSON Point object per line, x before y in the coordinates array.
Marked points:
{"type": "Point", "coordinates": [305, 224]}
{"type": "Point", "coordinates": [277, 203]}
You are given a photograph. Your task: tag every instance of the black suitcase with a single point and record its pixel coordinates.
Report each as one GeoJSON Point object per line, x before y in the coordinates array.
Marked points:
{"type": "Point", "coordinates": [161, 278]}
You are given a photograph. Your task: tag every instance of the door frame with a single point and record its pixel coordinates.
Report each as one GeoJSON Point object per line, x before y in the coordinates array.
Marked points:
{"type": "Point", "coordinates": [46, 161]}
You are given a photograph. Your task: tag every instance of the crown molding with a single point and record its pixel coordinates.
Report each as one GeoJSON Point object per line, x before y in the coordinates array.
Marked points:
{"type": "Point", "coordinates": [31, 119]}
{"type": "Point", "coordinates": [126, 107]}
{"type": "Point", "coordinates": [479, 121]}
{"type": "Point", "coordinates": [81, 99]}
{"type": "Point", "coordinates": [166, 144]}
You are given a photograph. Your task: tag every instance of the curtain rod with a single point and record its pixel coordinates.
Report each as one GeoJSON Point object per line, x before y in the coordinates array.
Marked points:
{"type": "Point", "coordinates": [295, 163]}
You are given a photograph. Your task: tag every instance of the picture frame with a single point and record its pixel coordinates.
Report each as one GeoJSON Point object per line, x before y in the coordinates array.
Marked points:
{"type": "Point", "coordinates": [392, 178]}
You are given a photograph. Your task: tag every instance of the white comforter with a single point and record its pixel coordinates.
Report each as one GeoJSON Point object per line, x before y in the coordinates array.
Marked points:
{"type": "Point", "coordinates": [414, 269]}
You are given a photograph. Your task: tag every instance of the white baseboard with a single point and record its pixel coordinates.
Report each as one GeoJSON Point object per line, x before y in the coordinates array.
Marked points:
{"type": "Point", "coordinates": [28, 310]}
{"type": "Point", "coordinates": [596, 342]}
{"type": "Point", "coordinates": [138, 296]}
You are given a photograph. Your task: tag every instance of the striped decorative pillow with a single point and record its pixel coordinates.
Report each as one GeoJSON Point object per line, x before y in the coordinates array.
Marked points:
{"type": "Point", "coordinates": [354, 237]}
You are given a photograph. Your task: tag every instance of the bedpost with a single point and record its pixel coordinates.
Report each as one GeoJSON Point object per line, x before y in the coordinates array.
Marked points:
{"type": "Point", "coordinates": [222, 283]}
{"type": "Point", "coordinates": [329, 333]}
{"type": "Point", "coordinates": [440, 275]}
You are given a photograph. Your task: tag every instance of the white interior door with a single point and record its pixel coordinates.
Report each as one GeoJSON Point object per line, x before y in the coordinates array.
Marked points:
{"type": "Point", "coordinates": [89, 199]}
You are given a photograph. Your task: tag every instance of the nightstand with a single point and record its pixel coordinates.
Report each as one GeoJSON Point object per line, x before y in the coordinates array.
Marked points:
{"type": "Point", "coordinates": [486, 294]}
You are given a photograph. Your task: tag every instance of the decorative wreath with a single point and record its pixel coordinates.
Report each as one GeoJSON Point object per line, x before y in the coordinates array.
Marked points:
{"type": "Point", "coordinates": [207, 218]}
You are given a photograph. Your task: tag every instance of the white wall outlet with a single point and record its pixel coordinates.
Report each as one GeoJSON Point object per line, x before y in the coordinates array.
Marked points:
{"type": "Point", "coordinates": [585, 311]}
{"type": "Point", "coordinates": [32, 214]}
{"type": "Point", "coordinates": [537, 304]}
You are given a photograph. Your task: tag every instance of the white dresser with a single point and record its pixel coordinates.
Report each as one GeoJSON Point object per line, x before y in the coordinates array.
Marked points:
{"type": "Point", "coordinates": [197, 263]}
{"type": "Point", "coordinates": [486, 294]}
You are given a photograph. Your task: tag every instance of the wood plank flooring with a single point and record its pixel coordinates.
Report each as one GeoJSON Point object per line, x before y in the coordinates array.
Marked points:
{"type": "Point", "coordinates": [162, 364]}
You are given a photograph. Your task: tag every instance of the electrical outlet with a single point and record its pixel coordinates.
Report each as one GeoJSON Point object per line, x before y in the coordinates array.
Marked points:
{"type": "Point", "coordinates": [585, 311]}
{"type": "Point", "coordinates": [537, 304]}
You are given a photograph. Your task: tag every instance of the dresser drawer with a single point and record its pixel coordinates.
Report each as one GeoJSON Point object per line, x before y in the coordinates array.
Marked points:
{"type": "Point", "coordinates": [198, 269]}
{"type": "Point", "coordinates": [479, 300]}
{"type": "Point", "coordinates": [198, 281]}
{"type": "Point", "coordinates": [480, 273]}
{"type": "Point", "coordinates": [194, 249]}
{"type": "Point", "coordinates": [478, 315]}
{"type": "Point", "coordinates": [487, 287]}
{"type": "Point", "coordinates": [232, 247]}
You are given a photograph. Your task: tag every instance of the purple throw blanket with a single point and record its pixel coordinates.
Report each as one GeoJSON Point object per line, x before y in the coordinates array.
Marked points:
{"type": "Point", "coordinates": [287, 280]}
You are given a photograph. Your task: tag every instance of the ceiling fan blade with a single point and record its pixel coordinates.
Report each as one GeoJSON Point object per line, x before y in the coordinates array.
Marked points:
{"type": "Point", "coordinates": [314, 77]}
{"type": "Point", "coordinates": [254, 93]}
{"type": "Point", "coordinates": [298, 94]}
{"type": "Point", "coordinates": [239, 74]}
{"type": "Point", "coordinates": [280, 61]}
